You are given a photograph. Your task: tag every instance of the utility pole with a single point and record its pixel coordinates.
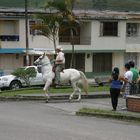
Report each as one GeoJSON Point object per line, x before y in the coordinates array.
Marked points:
{"type": "Point", "coordinates": [26, 32]}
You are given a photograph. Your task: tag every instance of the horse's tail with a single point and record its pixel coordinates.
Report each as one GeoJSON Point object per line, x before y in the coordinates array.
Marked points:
{"type": "Point", "coordinates": [84, 82]}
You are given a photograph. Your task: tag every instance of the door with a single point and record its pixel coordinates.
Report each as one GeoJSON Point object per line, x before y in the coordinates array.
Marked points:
{"type": "Point", "coordinates": [79, 61]}
{"type": "Point", "coordinates": [102, 62]}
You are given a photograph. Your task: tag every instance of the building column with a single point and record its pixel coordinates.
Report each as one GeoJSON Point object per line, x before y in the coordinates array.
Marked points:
{"type": "Point", "coordinates": [88, 62]}
{"type": "Point", "coordinates": [118, 61]}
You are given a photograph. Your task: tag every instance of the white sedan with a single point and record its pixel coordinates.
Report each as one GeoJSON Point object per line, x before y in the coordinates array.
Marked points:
{"type": "Point", "coordinates": [12, 82]}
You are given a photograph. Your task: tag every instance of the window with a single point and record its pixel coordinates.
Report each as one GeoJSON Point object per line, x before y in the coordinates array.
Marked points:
{"type": "Point", "coordinates": [65, 33]}
{"type": "Point", "coordinates": [9, 30]}
{"type": "Point", "coordinates": [102, 62]}
{"type": "Point", "coordinates": [109, 28]}
{"type": "Point", "coordinates": [33, 23]}
{"type": "Point", "coordinates": [9, 27]}
{"type": "Point", "coordinates": [132, 29]}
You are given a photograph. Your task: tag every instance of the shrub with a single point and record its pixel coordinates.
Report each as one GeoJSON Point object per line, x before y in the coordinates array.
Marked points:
{"type": "Point", "coordinates": [25, 74]}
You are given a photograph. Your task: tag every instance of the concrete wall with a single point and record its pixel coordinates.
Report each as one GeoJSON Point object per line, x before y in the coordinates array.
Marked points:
{"type": "Point", "coordinates": [106, 42]}
{"type": "Point", "coordinates": [9, 62]}
{"type": "Point", "coordinates": [40, 41]}
{"type": "Point", "coordinates": [118, 61]}
{"type": "Point", "coordinates": [85, 33]}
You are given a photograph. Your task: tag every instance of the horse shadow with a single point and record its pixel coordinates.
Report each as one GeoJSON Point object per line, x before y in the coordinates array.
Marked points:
{"type": "Point", "coordinates": [61, 101]}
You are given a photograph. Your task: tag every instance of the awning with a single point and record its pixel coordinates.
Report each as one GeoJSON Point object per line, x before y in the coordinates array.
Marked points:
{"type": "Point", "coordinates": [40, 51]}
{"type": "Point", "coordinates": [94, 51]}
{"type": "Point", "coordinates": [31, 51]}
{"type": "Point", "coordinates": [11, 50]}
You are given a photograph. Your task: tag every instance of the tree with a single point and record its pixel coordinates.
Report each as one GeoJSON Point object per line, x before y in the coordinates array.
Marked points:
{"type": "Point", "coordinates": [71, 20]}
{"type": "Point", "coordinates": [65, 9]}
{"type": "Point", "coordinates": [60, 11]}
{"type": "Point", "coordinates": [25, 74]}
{"type": "Point", "coordinates": [49, 26]}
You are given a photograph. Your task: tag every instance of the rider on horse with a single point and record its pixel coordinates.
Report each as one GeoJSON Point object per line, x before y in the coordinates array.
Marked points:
{"type": "Point", "coordinates": [59, 64]}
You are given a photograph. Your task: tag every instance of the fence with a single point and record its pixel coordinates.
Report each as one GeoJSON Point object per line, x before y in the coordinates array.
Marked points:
{"type": "Point", "coordinates": [135, 88]}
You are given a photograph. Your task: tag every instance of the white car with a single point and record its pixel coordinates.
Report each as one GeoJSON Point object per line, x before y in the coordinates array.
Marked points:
{"type": "Point", "coordinates": [12, 82]}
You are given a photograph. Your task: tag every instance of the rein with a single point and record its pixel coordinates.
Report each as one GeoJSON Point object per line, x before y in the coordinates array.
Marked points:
{"type": "Point", "coordinates": [47, 63]}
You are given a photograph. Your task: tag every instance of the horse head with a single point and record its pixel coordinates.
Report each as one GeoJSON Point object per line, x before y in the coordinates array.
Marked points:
{"type": "Point", "coordinates": [42, 60]}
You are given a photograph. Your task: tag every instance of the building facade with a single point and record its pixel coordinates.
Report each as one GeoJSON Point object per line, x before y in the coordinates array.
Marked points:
{"type": "Point", "coordinates": [103, 39]}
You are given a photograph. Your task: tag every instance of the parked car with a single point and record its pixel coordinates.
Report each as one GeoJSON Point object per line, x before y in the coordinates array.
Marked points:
{"type": "Point", "coordinates": [12, 82]}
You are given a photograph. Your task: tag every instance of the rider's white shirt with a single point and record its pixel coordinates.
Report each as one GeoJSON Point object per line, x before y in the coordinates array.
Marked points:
{"type": "Point", "coordinates": [60, 56]}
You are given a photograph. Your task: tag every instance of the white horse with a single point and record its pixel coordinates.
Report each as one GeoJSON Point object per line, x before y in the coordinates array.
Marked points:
{"type": "Point", "coordinates": [68, 75]}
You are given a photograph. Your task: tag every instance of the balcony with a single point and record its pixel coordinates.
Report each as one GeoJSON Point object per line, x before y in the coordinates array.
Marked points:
{"type": "Point", "coordinates": [67, 39]}
{"type": "Point", "coordinates": [133, 44]}
{"type": "Point", "coordinates": [77, 40]}
{"type": "Point", "coordinates": [9, 37]}
{"type": "Point", "coordinates": [133, 40]}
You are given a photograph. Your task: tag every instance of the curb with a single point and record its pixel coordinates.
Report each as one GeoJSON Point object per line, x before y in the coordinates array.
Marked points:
{"type": "Point", "coordinates": [52, 97]}
{"type": "Point", "coordinates": [109, 115]}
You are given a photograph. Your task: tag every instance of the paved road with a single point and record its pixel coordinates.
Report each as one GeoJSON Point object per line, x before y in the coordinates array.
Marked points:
{"type": "Point", "coordinates": [56, 121]}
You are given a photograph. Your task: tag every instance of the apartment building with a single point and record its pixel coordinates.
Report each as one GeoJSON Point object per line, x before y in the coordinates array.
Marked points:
{"type": "Point", "coordinates": [103, 39]}
{"type": "Point", "coordinates": [13, 39]}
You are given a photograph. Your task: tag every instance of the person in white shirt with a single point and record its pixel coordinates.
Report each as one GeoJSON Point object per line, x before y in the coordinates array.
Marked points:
{"type": "Point", "coordinates": [128, 77]}
{"type": "Point", "coordinates": [59, 64]}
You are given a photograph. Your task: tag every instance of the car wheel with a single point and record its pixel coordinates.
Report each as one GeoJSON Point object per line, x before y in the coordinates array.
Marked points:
{"type": "Point", "coordinates": [15, 85]}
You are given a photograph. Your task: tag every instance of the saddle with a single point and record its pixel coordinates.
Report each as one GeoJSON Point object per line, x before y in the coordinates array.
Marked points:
{"type": "Point", "coordinates": [54, 67]}
{"type": "Point", "coordinates": [54, 70]}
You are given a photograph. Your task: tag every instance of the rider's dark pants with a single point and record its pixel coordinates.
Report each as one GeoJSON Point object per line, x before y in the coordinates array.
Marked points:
{"type": "Point", "coordinates": [58, 69]}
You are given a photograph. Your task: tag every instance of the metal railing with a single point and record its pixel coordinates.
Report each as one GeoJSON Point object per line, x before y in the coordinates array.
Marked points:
{"type": "Point", "coordinates": [135, 88]}
{"type": "Point", "coordinates": [9, 37]}
{"type": "Point", "coordinates": [76, 40]}
{"type": "Point", "coordinates": [133, 39]}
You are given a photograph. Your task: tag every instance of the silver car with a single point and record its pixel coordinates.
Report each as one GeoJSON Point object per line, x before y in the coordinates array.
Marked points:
{"type": "Point", "coordinates": [12, 82]}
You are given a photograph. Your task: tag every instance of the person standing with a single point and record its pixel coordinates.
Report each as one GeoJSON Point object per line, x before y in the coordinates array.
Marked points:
{"type": "Point", "coordinates": [128, 77]}
{"type": "Point", "coordinates": [115, 87]}
{"type": "Point", "coordinates": [133, 88]}
{"type": "Point", "coordinates": [59, 64]}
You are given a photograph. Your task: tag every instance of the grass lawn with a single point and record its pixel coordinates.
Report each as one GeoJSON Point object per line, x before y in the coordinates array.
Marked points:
{"type": "Point", "coordinates": [11, 93]}
{"type": "Point", "coordinates": [108, 114]}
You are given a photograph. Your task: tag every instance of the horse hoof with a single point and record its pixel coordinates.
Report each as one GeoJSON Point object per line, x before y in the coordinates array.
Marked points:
{"type": "Point", "coordinates": [70, 100]}
{"type": "Point", "coordinates": [47, 101]}
{"type": "Point", "coordinates": [79, 100]}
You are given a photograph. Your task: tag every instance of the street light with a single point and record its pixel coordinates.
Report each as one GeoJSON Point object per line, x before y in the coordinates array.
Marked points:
{"type": "Point", "coordinates": [26, 32]}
